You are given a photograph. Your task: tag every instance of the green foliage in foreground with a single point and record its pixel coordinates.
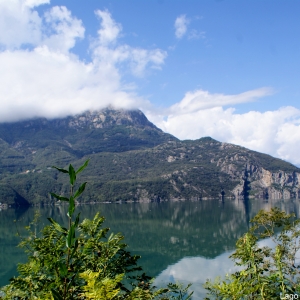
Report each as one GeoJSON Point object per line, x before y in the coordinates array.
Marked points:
{"type": "Point", "coordinates": [79, 262]}
{"type": "Point", "coordinates": [266, 272]}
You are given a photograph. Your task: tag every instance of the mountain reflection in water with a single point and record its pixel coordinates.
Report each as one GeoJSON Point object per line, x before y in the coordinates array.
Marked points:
{"type": "Point", "coordinates": [178, 240]}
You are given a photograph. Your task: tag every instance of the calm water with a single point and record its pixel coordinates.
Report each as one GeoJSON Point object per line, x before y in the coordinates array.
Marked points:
{"type": "Point", "coordinates": [185, 241]}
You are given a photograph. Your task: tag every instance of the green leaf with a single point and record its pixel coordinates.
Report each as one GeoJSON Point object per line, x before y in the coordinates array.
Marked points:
{"type": "Point", "coordinates": [77, 221]}
{"type": "Point", "coordinates": [56, 295]}
{"type": "Point", "coordinates": [71, 206]}
{"type": "Point", "coordinates": [83, 166]}
{"type": "Point", "coordinates": [71, 281]}
{"type": "Point", "coordinates": [57, 226]}
{"type": "Point", "coordinates": [63, 269]}
{"type": "Point", "coordinates": [59, 197]}
{"type": "Point", "coordinates": [60, 169]}
{"type": "Point", "coordinates": [80, 190]}
{"type": "Point", "coordinates": [71, 236]}
{"type": "Point", "coordinates": [75, 248]}
{"type": "Point", "coordinates": [72, 174]}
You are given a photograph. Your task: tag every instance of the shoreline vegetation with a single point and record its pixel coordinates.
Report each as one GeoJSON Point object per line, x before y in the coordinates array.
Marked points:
{"type": "Point", "coordinates": [4, 206]}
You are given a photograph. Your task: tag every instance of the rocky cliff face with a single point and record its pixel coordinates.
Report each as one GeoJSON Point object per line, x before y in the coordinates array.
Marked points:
{"type": "Point", "coordinates": [275, 185]}
{"type": "Point", "coordinates": [108, 118]}
{"type": "Point", "coordinates": [104, 118]}
{"type": "Point", "coordinates": [257, 179]}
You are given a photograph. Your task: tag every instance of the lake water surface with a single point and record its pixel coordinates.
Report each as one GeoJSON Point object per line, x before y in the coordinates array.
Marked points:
{"type": "Point", "coordinates": [187, 241]}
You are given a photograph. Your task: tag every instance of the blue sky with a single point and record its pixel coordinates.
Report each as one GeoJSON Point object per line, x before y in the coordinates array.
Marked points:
{"type": "Point", "coordinates": [229, 47]}
{"type": "Point", "coordinates": [227, 69]}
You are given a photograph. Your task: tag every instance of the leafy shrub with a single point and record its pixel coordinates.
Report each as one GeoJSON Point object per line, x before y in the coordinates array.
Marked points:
{"type": "Point", "coordinates": [79, 262]}
{"type": "Point", "coordinates": [267, 272]}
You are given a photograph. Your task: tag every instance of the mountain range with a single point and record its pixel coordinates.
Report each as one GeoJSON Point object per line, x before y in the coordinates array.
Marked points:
{"type": "Point", "coordinates": [131, 160]}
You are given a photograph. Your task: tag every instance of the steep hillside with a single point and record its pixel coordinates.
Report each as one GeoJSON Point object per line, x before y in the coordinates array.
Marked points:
{"type": "Point", "coordinates": [131, 159]}
{"type": "Point", "coordinates": [107, 130]}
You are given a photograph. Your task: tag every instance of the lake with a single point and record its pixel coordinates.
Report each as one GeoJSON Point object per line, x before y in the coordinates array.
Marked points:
{"type": "Point", "coordinates": [186, 241]}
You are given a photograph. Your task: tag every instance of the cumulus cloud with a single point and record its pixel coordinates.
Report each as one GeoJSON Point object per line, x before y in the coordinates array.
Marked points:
{"type": "Point", "coordinates": [180, 25]}
{"type": "Point", "coordinates": [274, 132]}
{"type": "Point", "coordinates": [40, 76]}
{"type": "Point", "coordinates": [33, 3]}
{"type": "Point", "coordinates": [109, 30]}
{"type": "Point", "coordinates": [66, 29]}
{"type": "Point", "coordinates": [109, 51]}
{"type": "Point", "coordinates": [22, 26]}
{"type": "Point", "coordinates": [19, 24]}
{"type": "Point", "coordinates": [68, 86]}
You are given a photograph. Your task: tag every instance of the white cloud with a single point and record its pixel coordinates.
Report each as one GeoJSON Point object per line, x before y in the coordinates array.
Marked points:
{"type": "Point", "coordinates": [187, 271]}
{"type": "Point", "coordinates": [33, 3]}
{"type": "Point", "coordinates": [18, 24]}
{"type": "Point", "coordinates": [141, 58]}
{"type": "Point", "coordinates": [107, 49]}
{"type": "Point", "coordinates": [22, 26]}
{"type": "Point", "coordinates": [41, 77]}
{"type": "Point", "coordinates": [180, 25]}
{"type": "Point", "coordinates": [110, 30]}
{"type": "Point", "coordinates": [199, 99]}
{"type": "Point", "coordinates": [274, 132]}
{"type": "Point", "coordinates": [66, 29]}
{"type": "Point", "coordinates": [288, 138]}
{"type": "Point", "coordinates": [68, 86]}
{"type": "Point", "coordinates": [194, 35]}
{"type": "Point", "coordinates": [181, 29]}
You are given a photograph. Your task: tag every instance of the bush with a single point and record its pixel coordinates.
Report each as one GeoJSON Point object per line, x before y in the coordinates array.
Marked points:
{"type": "Point", "coordinates": [79, 262]}
{"type": "Point", "coordinates": [267, 272]}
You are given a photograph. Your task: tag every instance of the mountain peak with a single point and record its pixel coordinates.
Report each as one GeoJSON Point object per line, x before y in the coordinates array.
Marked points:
{"type": "Point", "coordinates": [112, 130]}
{"type": "Point", "coordinates": [92, 119]}
{"type": "Point", "coordinates": [110, 117]}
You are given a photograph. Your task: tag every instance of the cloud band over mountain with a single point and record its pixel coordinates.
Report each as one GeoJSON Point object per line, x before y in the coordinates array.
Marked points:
{"type": "Point", "coordinates": [42, 76]}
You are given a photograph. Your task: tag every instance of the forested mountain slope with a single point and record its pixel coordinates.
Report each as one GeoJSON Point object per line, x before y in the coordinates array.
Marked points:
{"type": "Point", "coordinates": [131, 159]}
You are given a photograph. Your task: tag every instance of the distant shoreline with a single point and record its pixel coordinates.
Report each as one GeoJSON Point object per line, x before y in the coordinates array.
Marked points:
{"type": "Point", "coordinates": [5, 206]}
